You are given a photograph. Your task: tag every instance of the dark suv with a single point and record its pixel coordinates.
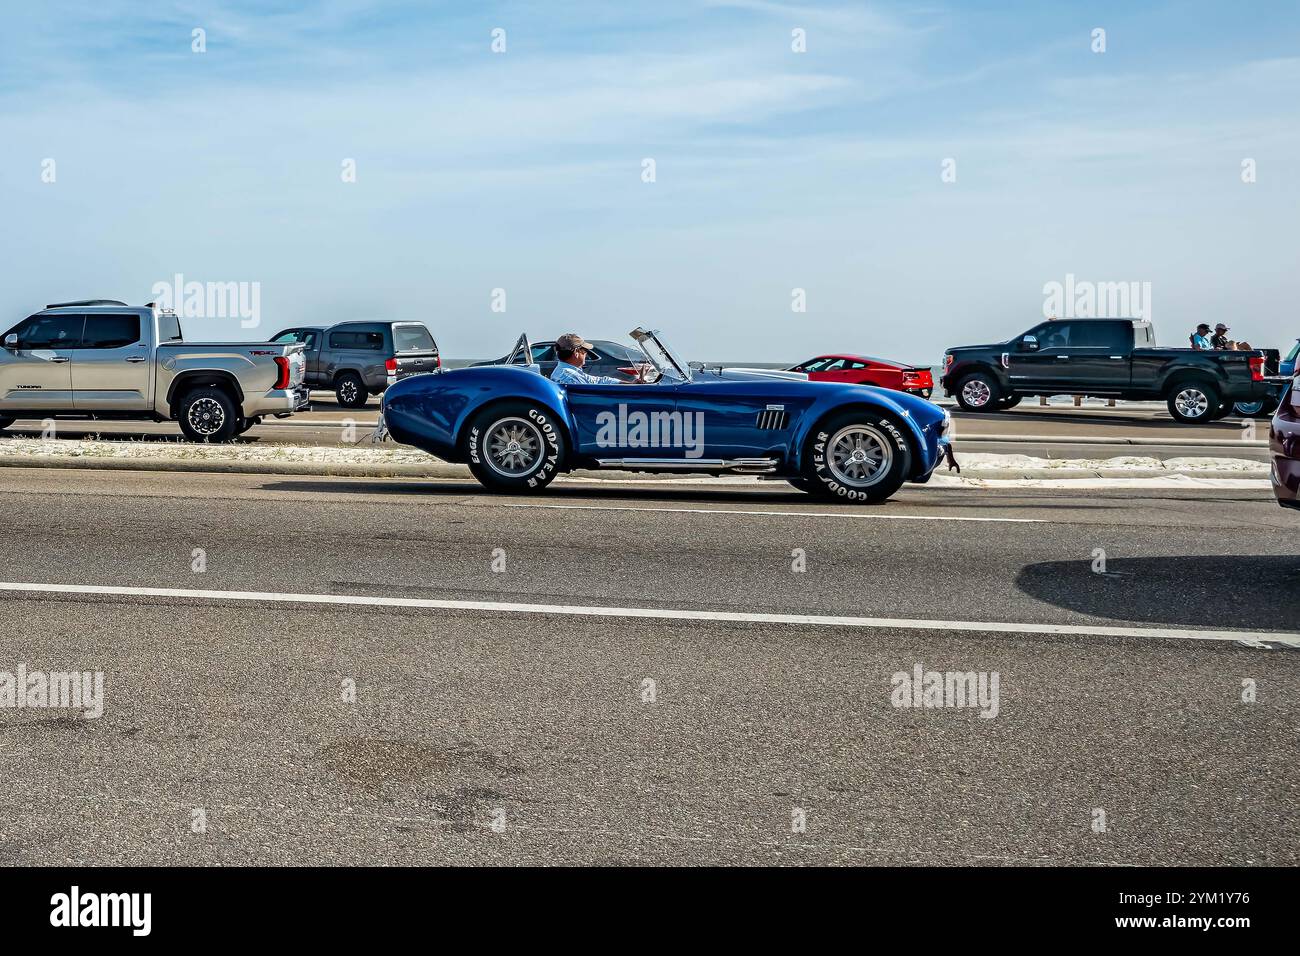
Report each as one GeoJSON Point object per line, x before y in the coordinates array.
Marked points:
{"type": "Point", "coordinates": [360, 359]}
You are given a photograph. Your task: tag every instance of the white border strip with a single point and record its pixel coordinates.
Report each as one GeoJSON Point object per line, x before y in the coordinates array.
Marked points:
{"type": "Point", "coordinates": [667, 614]}
{"type": "Point", "coordinates": [780, 514]}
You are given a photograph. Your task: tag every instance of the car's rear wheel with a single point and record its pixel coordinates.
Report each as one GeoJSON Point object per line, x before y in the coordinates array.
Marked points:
{"type": "Point", "coordinates": [977, 392]}
{"type": "Point", "coordinates": [515, 446]}
{"type": "Point", "coordinates": [350, 390]}
{"type": "Point", "coordinates": [857, 456]}
{"type": "Point", "coordinates": [1193, 403]}
{"type": "Point", "coordinates": [208, 415]}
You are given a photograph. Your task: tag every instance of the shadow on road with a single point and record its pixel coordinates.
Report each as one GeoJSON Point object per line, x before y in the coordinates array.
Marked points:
{"type": "Point", "coordinates": [1205, 591]}
{"type": "Point", "coordinates": [565, 494]}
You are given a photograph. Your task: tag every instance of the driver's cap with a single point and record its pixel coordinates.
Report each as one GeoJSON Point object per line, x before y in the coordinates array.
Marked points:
{"type": "Point", "coordinates": [571, 342]}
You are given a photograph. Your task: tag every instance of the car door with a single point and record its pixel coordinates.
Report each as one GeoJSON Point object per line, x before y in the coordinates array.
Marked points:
{"type": "Point", "coordinates": [1100, 356]}
{"type": "Point", "coordinates": [752, 419]}
{"type": "Point", "coordinates": [111, 365]}
{"type": "Point", "coordinates": [35, 373]}
{"type": "Point", "coordinates": [631, 422]}
{"type": "Point", "coordinates": [1040, 360]}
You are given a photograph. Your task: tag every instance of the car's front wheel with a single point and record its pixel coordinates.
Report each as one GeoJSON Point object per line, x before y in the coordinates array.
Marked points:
{"type": "Point", "coordinates": [1264, 408]}
{"type": "Point", "coordinates": [515, 446]}
{"type": "Point", "coordinates": [978, 393]}
{"type": "Point", "coordinates": [857, 456]}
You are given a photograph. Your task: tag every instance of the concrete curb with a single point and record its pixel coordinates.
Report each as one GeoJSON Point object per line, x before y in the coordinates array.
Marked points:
{"type": "Point", "coordinates": [1098, 440]}
{"type": "Point", "coordinates": [443, 470]}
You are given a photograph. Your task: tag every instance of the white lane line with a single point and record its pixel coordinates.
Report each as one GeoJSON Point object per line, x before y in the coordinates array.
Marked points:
{"type": "Point", "coordinates": [785, 514]}
{"type": "Point", "coordinates": [666, 614]}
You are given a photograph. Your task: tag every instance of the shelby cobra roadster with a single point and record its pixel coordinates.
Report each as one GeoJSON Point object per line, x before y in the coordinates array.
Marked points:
{"type": "Point", "coordinates": [517, 430]}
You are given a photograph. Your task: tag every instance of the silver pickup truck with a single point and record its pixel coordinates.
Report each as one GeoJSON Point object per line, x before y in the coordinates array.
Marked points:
{"type": "Point", "coordinates": [104, 359]}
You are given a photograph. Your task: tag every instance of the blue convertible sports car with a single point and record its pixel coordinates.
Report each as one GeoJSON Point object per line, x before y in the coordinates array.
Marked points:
{"type": "Point", "coordinates": [517, 430]}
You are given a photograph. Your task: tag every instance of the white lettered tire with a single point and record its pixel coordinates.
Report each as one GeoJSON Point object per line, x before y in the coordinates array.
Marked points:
{"type": "Point", "coordinates": [515, 447]}
{"type": "Point", "coordinates": [857, 457]}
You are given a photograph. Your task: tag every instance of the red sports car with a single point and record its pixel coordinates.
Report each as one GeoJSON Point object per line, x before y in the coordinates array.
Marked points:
{"type": "Point", "coordinates": [864, 370]}
{"type": "Point", "coordinates": [1284, 443]}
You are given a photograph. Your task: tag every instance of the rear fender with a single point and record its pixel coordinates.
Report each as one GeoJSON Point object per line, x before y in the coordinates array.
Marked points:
{"type": "Point", "coordinates": [431, 412]}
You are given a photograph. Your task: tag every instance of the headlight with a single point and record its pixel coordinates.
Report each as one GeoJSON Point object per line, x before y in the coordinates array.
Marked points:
{"type": "Point", "coordinates": [945, 427]}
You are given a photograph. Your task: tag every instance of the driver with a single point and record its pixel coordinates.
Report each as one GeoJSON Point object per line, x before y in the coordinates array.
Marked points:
{"type": "Point", "coordinates": [571, 350]}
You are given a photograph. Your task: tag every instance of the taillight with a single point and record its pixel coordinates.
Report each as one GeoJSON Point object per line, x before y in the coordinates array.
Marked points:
{"type": "Point", "coordinates": [437, 360]}
{"type": "Point", "coordinates": [390, 366]}
{"type": "Point", "coordinates": [282, 378]}
{"type": "Point", "coordinates": [1257, 369]}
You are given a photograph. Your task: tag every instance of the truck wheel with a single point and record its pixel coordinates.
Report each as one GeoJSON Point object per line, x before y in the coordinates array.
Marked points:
{"type": "Point", "coordinates": [208, 415]}
{"type": "Point", "coordinates": [977, 392]}
{"type": "Point", "coordinates": [1193, 403]}
{"type": "Point", "coordinates": [515, 447]}
{"type": "Point", "coordinates": [350, 390]}
{"type": "Point", "coordinates": [858, 457]}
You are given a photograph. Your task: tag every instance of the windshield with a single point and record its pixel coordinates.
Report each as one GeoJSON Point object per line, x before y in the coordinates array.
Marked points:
{"type": "Point", "coordinates": [661, 356]}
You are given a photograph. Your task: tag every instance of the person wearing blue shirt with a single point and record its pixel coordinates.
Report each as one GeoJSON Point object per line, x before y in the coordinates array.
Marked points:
{"type": "Point", "coordinates": [1201, 338]}
{"type": "Point", "coordinates": [571, 351]}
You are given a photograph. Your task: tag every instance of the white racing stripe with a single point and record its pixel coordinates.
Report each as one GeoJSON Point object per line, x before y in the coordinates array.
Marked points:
{"type": "Point", "coordinates": [666, 614]}
{"type": "Point", "coordinates": [783, 514]}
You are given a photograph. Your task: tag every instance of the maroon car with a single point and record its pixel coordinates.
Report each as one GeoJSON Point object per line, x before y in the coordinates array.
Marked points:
{"type": "Point", "coordinates": [1284, 444]}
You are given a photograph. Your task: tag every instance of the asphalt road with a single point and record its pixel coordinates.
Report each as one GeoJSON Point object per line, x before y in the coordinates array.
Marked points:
{"type": "Point", "coordinates": [524, 733]}
{"type": "Point", "coordinates": [1058, 431]}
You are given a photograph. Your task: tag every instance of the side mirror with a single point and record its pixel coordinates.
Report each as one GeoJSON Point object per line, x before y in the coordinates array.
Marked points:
{"type": "Point", "coordinates": [11, 341]}
{"type": "Point", "coordinates": [1029, 344]}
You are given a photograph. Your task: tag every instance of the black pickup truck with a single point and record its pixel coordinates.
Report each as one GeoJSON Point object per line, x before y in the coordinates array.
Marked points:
{"type": "Point", "coordinates": [1109, 358]}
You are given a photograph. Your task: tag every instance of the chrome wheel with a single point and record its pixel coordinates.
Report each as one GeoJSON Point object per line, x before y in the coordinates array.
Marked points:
{"type": "Point", "coordinates": [206, 416]}
{"type": "Point", "coordinates": [514, 447]}
{"type": "Point", "coordinates": [348, 391]}
{"type": "Point", "coordinates": [1192, 403]}
{"type": "Point", "coordinates": [860, 455]}
{"type": "Point", "coordinates": [1249, 408]}
{"type": "Point", "coordinates": [977, 393]}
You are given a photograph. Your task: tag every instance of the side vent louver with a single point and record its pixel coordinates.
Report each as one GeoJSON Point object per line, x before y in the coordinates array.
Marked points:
{"type": "Point", "coordinates": [773, 418]}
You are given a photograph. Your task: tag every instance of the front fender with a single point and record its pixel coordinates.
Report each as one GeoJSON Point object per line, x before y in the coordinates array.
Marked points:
{"type": "Point", "coordinates": [431, 411]}
{"type": "Point", "coordinates": [922, 422]}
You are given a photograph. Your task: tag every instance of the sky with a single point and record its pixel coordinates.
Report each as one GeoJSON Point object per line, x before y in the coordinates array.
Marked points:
{"type": "Point", "coordinates": [887, 179]}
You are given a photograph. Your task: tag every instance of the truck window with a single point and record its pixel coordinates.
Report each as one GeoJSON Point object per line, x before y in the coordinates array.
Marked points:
{"type": "Point", "coordinates": [412, 338]}
{"type": "Point", "coordinates": [1055, 335]}
{"type": "Point", "coordinates": [365, 341]}
{"type": "Point", "coordinates": [1113, 336]}
{"type": "Point", "coordinates": [110, 331]}
{"type": "Point", "coordinates": [50, 332]}
{"type": "Point", "coordinates": [169, 327]}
